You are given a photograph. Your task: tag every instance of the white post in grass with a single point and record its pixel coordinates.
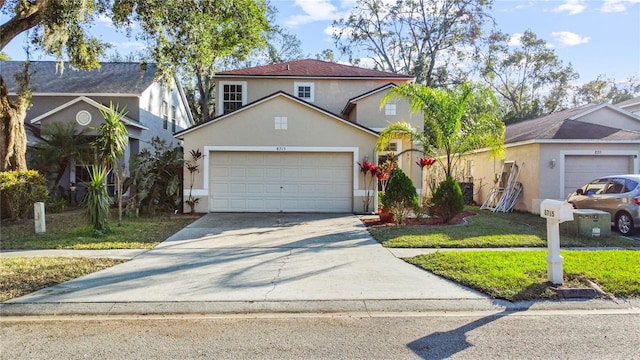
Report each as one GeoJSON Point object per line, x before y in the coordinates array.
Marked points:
{"type": "Point", "coordinates": [39, 218]}
{"type": "Point", "coordinates": [555, 212]}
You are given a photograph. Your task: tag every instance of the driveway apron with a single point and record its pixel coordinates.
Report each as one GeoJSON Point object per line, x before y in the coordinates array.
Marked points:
{"type": "Point", "coordinates": [260, 257]}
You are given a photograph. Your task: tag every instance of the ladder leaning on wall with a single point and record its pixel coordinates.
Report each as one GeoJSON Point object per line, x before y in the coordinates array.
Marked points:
{"type": "Point", "coordinates": [504, 195]}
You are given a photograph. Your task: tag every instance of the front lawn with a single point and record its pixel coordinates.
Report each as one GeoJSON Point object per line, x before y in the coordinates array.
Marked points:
{"type": "Point", "coordinates": [522, 275]}
{"type": "Point", "coordinates": [21, 275]}
{"type": "Point", "coordinates": [487, 230]}
{"type": "Point", "coordinates": [69, 231]}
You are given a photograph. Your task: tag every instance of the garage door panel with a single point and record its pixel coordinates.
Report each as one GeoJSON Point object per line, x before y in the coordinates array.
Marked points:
{"type": "Point", "coordinates": [309, 182]}
{"type": "Point", "coordinates": [581, 169]}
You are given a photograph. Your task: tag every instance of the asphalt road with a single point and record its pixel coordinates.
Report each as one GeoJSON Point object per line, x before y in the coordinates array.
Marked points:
{"type": "Point", "coordinates": [603, 334]}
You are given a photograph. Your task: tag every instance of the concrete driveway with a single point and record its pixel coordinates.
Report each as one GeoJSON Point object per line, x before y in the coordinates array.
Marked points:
{"type": "Point", "coordinates": [259, 257]}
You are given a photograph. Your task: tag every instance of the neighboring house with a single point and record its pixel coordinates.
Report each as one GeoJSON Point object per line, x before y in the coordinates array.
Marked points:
{"type": "Point", "coordinates": [289, 137]}
{"type": "Point", "coordinates": [562, 151]}
{"type": "Point", "coordinates": [62, 94]}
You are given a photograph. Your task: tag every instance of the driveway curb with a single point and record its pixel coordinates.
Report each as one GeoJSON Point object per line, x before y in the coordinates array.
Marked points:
{"type": "Point", "coordinates": [309, 307]}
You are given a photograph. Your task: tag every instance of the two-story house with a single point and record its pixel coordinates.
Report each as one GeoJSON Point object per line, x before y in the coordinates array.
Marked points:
{"type": "Point", "coordinates": [289, 137]}
{"type": "Point", "coordinates": [64, 94]}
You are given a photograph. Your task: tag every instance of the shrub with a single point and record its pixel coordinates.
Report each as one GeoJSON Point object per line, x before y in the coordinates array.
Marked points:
{"type": "Point", "coordinates": [447, 200]}
{"type": "Point", "coordinates": [156, 179]}
{"type": "Point", "coordinates": [56, 205]}
{"type": "Point", "coordinates": [401, 196]}
{"type": "Point", "coordinates": [20, 189]}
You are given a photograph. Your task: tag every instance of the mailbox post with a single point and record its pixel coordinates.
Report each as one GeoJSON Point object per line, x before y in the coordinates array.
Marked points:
{"type": "Point", "coordinates": [555, 212]}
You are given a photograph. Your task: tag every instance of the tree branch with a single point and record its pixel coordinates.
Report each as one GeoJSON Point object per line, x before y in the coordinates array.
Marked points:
{"type": "Point", "coordinates": [23, 21]}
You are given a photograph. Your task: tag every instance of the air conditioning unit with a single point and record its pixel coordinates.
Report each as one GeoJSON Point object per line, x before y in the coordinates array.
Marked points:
{"type": "Point", "coordinates": [588, 222]}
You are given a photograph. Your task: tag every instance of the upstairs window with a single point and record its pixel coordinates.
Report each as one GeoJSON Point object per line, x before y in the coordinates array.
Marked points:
{"type": "Point", "coordinates": [164, 110]}
{"type": "Point", "coordinates": [281, 123]}
{"type": "Point", "coordinates": [173, 118]}
{"type": "Point", "coordinates": [233, 95]}
{"type": "Point", "coordinates": [304, 91]}
{"type": "Point", "coordinates": [389, 109]}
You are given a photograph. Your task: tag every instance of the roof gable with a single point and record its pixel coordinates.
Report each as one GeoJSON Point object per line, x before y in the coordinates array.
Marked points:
{"type": "Point", "coordinates": [312, 69]}
{"type": "Point", "coordinates": [351, 103]}
{"type": "Point", "coordinates": [126, 120]}
{"type": "Point", "coordinates": [313, 107]}
{"type": "Point", "coordinates": [110, 78]}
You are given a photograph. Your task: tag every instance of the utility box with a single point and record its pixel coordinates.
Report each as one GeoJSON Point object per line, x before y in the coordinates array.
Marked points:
{"type": "Point", "coordinates": [588, 222]}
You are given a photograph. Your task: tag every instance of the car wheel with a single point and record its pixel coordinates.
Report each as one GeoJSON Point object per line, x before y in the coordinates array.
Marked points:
{"type": "Point", "coordinates": [624, 223]}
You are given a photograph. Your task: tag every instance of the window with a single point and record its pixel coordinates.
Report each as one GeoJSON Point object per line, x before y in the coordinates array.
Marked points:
{"type": "Point", "coordinates": [304, 91]}
{"type": "Point", "coordinates": [164, 110]}
{"type": "Point", "coordinates": [390, 109]}
{"type": "Point", "coordinates": [233, 96]}
{"type": "Point", "coordinates": [392, 147]}
{"type": "Point", "coordinates": [173, 118]}
{"type": "Point", "coordinates": [281, 123]}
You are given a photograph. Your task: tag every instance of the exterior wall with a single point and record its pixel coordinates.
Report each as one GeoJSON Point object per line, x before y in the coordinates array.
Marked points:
{"type": "Point", "coordinates": [370, 115]}
{"type": "Point", "coordinates": [329, 94]}
{"type": "Point", "coordinates": [541, 168]}
{"type": "Point", "coordinates": [487, 170]}
{"type": "Point", "coordinates": [43, 104]}
{"type": "Point", "coordinates": [611, 118]}
{"type": "Point", "coordinates": [253, 129]}
{"type": "Point", "coordinates": [151, 114]}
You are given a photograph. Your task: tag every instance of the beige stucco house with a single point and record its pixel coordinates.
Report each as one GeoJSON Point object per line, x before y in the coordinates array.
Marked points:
{"type": "Point", "coordinates": [289, 137]}
{"type": "Point", "coordinates": [562, 151]}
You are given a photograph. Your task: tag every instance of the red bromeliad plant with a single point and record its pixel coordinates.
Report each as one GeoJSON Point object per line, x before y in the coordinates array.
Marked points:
{"type": "Point", "coordinates": [425, 162]}
{"type": "Point", "coordinates": [384, 172]}
{"type": "Point", "coordinates": [193, 167]}
{"type": "Point", "coordinates": [422, 162]}
{"type": "Point", "coordinates": [367, 167]}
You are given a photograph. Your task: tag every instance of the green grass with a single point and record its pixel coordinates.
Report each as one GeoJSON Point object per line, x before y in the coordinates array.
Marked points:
{"type": "Point", "coordinates": [487, 230]}
{"type": "Point", "coordinates": [522, 275]}
{"type": "Point", "coordinates": [70, 231]}
{"type": "Point", "coordinates": [22, 275]}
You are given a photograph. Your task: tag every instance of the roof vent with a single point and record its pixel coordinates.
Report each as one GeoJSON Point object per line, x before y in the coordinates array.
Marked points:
{"type": "Point", "coordinates": [288, 67]}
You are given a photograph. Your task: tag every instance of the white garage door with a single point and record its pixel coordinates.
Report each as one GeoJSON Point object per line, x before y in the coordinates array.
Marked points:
{"type": "Point", "coordinates": [580, 169]}
{"type": "Point", "coordinates": [281, 181]}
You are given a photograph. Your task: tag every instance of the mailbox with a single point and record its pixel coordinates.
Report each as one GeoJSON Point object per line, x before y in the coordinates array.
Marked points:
{"type": "Point", "coordinates": [556, 210]}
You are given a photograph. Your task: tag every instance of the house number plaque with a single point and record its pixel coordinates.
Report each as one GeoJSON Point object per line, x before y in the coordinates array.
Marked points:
{"type": "Point", "coordinates": [281, 148]}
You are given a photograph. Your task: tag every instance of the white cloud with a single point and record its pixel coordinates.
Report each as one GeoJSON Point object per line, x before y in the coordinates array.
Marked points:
{"type": "Point", "coordinates": [572, 6]}
{"type": "Point", "coordinates": [104, 20]}
{"type": "Point", "coordinates": [514, 40]}
{"type": "Point", "coordinates": [567, 38]}
{"type": "Point", "coordinates": [314, 10]}
{"type": "Point", "coordinates": [137, 45]}
{"type": "Point", "coordinates": [610, 6]}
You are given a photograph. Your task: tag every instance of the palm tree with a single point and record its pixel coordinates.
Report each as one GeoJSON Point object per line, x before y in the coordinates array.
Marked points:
{"type": "Point", "coordinates": [111, 143]}
{"type": "Point", "coordinates": [62, 145]}
{"type": "Point", "coordinates": [456, 122]}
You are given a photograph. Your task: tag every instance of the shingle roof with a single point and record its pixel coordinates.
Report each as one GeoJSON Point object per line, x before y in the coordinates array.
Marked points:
{"type": "Point", "coordinates": [312, 68]}
{"type": "Point", "coordinates": [628, 102]}
{"type": "Point", "coordinates": [111, 78]}
{"type": "Point", "coordinates": [561, 125]}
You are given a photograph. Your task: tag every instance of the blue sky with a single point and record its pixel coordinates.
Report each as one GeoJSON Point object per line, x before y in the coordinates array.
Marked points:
{"type": "Point", "coordinates": [596, 36]}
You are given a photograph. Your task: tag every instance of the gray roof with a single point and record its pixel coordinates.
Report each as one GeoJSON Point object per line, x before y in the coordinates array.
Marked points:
{"type": "Point", "coordinates": [110, 78]}
{"type": "Point", "coordinates": [632, 101]}
{"type": "Point", "coordinates": [560, 125]}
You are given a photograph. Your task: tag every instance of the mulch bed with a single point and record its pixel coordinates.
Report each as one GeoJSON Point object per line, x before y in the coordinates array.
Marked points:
{"type": "Point", "coordinates": [458, 219]}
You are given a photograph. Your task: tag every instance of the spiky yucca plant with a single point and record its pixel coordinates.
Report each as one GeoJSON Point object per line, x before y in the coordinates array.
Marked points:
{"type": "Point", "coordinates": [97, 198]}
